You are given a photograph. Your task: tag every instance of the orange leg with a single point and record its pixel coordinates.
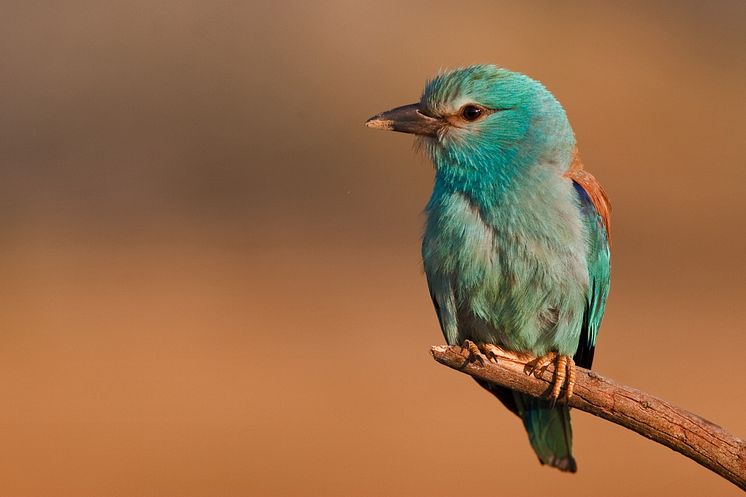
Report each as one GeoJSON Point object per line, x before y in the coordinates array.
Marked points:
{"type": "Point", "coordinates": [485, 352]}
{"type": "Point", "coordinates": [475, 352]}
{"type": "Point", "coordinates": [564, 373]}
{"type": "Point", "coordinates": [493, 352]}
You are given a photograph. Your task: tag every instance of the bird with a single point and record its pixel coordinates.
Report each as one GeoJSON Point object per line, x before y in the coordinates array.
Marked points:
{"type": "Point", "coordinates": [516, 244]}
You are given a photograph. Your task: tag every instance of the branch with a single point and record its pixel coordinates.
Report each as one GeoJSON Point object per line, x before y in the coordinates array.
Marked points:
{"type": "Point", "coordinates": [695, 437]}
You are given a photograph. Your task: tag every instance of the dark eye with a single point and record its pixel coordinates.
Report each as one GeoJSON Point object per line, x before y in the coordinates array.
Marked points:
{"type": "Point", "coordinates": [471, 112]}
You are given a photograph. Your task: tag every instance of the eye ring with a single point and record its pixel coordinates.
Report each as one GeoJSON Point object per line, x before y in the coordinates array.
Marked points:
{"type": "Point", "coordinates": [471, 112]}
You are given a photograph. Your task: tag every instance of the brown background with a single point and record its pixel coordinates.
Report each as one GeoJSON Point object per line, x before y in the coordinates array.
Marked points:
{"type": "Point", "coordinates": [210, 271]}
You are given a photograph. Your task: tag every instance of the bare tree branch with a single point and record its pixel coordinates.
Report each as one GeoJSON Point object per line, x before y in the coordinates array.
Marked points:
{"type": "Point", "coordinates": [695, 437]}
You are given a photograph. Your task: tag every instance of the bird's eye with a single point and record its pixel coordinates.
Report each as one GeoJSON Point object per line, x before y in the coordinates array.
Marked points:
{"type": "Point", "coordinates": [471, 112]}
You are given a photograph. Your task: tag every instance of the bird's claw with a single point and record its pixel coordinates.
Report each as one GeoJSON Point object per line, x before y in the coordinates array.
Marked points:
{"type": "Point", "coordinates": [564, 374]}
{"type": "Point", "coordinates": [484, 352]}
{"type": "Point", "coordinates": [493, 352]}
{"type": "Point", "coordinates": [474, 352]}
{"type": "Point", "coordinates": [539, 365]}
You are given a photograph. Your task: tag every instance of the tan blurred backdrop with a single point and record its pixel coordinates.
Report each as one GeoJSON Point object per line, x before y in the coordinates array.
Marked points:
{"type": "Point", "coordinates": [210, 270]}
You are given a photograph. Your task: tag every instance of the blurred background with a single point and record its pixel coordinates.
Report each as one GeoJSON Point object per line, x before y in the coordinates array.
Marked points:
{"type": "Point", "coordinates": [210, 271]}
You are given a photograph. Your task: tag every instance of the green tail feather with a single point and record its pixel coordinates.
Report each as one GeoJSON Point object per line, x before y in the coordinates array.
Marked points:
{"type": "Point", "coordinates": [549, 431]}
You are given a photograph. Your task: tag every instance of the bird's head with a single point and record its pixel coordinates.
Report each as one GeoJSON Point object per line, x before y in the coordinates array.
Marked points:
{"type": "Point", "coordinates": [483, 118]}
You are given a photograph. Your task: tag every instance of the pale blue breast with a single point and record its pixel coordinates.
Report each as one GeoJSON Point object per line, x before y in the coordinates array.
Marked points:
{"type": "Point", "coordinates": [513, 271]}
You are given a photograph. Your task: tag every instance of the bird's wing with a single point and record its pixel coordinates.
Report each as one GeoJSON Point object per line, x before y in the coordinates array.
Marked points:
{"type": "Point", "coordinates": [596, 211]}
{"type": "Point", "coordinates": [445, 306]}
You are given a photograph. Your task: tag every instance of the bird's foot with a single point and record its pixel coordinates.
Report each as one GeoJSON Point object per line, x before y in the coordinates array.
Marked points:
{"type": "Point", "coordinates": [483, 352]}
{"type": "Point", "coordinates": [564, 373]}
{"type": "Point", "coordinates": [493, 352]}
{"type": "Point", "coordinates": [474, 352]}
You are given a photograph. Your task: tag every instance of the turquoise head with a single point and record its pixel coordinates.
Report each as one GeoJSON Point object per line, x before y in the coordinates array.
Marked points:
{"type": "Point", "coordinates": [484, 122]}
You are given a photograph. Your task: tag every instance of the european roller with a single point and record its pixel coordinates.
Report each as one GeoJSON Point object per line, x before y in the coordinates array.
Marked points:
{"type": "Point", "coordinates": [516, 242]}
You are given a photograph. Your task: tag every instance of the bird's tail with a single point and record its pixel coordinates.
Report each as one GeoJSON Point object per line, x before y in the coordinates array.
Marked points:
{"type": "Point", "coordinates": [549, 431]}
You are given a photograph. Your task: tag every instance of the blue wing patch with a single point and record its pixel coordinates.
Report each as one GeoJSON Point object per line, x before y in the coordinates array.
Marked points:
{"type": "Point", "coordinates": [599, 273]}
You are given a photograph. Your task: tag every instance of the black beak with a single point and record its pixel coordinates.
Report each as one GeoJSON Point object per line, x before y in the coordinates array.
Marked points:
{"type": "Point", "coordinates": [406, 119]}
